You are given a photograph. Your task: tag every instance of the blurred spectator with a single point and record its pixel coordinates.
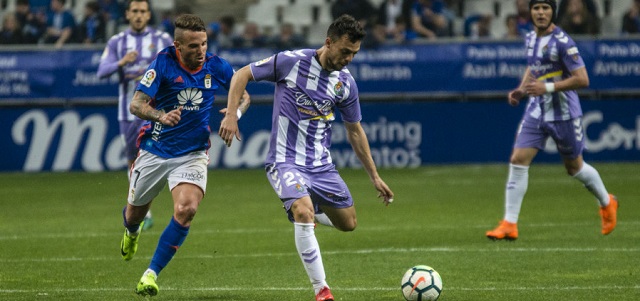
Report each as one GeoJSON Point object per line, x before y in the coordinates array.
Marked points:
{"type": "Point", "coordinates": [563, 7]}
{"type": "Point", "coordinates": [287, 38]}
{"type": "Point", "coordinates": [10, 32]}
{"type": "Point", "coordinates": [221, 33]}
{"type": "Point", "coordinates": [631, 19]}
{"type": "Point", "coordinates": [523, 17]}
{"type": "Point", "coordinates": [93, 28]}
{"type": "Point", "coordinates": [428, 19]}
{"type": "Point", "coordinates": [113, 10]}
{"type": "Point", "coordinates": [361, 10]}
{"type": "Point", "coordinates": [251, 37]}
{"type": "Point", "coordinates": [33, 25]}
{"type": "Point", "coordinates": [166, 22]}
{"type": "Point", "coordinates": [393, 17]}
{"type": "Point", "coordinates": [578, 19]}
{"type": "Point", "coordinates": [169, 16]}
{"type": "Point", "coordinates": [42, 7]}
{"type": "Point", "coordinates": [478, 27]}
{"type": "Point", "coordinates": [511, 23]}
{"type": "Point", "coordinates": [60, 24]}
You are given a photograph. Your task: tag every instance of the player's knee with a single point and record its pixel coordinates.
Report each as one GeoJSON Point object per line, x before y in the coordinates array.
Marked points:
{"type": "Point", "coordinates": [185, 213]}
{"type": "Point", "coordinates": [301, 213]}
{"type": "Point", "coordinates": [347, 226]}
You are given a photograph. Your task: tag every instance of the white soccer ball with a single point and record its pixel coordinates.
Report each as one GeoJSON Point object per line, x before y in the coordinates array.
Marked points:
{"type": "Point", "coordinates": [421, 283]}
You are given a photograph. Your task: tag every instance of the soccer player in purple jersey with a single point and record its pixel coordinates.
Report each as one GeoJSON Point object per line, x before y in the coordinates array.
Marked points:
{"type": "Point", "coordinates": [175, 97]}
{"type": "Point", "coordinates": [310, 85]}
{"type": "Point", "coordinates": [128, 54]}
{"type": "Point", "coordinates": [555, 70]}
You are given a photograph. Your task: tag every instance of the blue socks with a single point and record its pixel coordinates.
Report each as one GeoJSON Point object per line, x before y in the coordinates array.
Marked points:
{"type": "Point", "coordinates": [130, 228]}
{"type": "Point", "coordinates": [170, 240]}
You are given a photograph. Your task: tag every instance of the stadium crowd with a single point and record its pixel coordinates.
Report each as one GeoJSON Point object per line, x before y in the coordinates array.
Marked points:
{"type": "Point", "coordinates": [386, 21]}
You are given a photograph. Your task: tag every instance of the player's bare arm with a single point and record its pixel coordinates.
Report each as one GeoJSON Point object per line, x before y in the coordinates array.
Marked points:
{"type": "Point", "coordinates": [140, 107]}
{"type": "Point", "coordinates": [229, 125]}
{"type": "Point", "coordinates": [245, 102]}
{"type": "Point", "coordinates": [579, 79]}
{"type": "Point", "coordinates": [360, 144]}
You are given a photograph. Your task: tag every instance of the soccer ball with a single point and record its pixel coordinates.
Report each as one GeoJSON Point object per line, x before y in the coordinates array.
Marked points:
{"type": "Point", "coordinates": [421, 283]}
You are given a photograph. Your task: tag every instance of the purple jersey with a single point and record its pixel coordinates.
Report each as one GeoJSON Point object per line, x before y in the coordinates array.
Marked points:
{"type": "Point", "coordinates": [147, 43]}
{"type": "Point", "coordinates": [170, 86]}
{"type": "Point", "coordinates": [304, 103]}
{"type": "Point", "coordinates": [552, 58]}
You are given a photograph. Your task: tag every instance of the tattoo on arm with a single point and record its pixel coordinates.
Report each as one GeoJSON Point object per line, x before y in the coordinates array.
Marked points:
{"type": "Point", "coordinates": [141, 108]}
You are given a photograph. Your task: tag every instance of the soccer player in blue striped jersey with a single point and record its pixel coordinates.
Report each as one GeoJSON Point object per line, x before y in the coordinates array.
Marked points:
{"type": "Point", "coordinates": [175, 97]}
{"type": "Point", "coordinates": [555, 70]}
{"type": "Point", "coordinates": [310, 85]}
{"type": "Point", "coordinates": [128, 54]}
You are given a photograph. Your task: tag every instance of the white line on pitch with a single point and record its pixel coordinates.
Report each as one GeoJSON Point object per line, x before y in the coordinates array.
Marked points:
{"type": "Point", "coordinates": [344, 252]}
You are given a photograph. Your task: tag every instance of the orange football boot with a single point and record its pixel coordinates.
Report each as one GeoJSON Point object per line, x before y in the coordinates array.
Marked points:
{"type": "Point", "coordinates": [609, 215]}
{"type": "Point", "coordinates": [505, 230]}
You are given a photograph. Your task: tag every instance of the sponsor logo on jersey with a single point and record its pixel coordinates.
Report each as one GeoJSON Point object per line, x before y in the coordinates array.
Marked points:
{"type": "Point", "coordinates": [262, 61]}
{"type": "Point", "coordinates": [190, 95]}
{"type": "Point", "coordinates": [148, 78]}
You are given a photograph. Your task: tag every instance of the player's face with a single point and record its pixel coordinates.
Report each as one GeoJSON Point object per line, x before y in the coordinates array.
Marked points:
{"type": "Point", "coordinates": [340, 52]}
{"type": "Point", "coordinates": [541, 14]}
{"type": "Point", "coordinates": [192, 46]}
{"type": "Point", "coordinates": [138, 15]}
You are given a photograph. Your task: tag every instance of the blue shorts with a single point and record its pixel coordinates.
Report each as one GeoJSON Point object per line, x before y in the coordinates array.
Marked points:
{"type": "Point", "coordinates": [323, 185]}
{"type": "Point", "coordinates": [568, 136]}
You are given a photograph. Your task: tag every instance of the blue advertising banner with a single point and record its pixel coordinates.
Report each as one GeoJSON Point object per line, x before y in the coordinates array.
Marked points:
{"type": "Point", "coordinates": [402, 135]}
{"type": "Point", "coordinates": [455, 67]}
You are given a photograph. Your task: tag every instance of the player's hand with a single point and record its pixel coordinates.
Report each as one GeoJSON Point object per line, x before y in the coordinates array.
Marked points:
{"type": "Point", "coordinates": [515, 96]}
{"type": "Point", "coordinates": [383, 191]}
{"type": "Point", "coordinates": [535, 88]}
{"type": "Point", "coordinates": [172, 118]}
{"type": "Point", "coordinates": [229, 129]}
{"type": "Point", "coordinates": [130, 57]}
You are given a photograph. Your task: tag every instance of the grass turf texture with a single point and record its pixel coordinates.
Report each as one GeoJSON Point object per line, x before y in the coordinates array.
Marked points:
{"type": "Point", "coordinates": [60, 235]}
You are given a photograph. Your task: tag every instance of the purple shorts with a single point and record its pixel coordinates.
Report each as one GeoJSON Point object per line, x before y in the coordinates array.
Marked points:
{"type": "Point", "coordinates": [323, 185]}
{"type": "Point", "coordinates": [129, 131]}
{"type": "Point", "coordinates": [568, 136]}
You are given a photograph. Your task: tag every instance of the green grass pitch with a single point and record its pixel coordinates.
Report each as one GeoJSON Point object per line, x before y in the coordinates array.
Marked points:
{"type": "Point", "coordinates": [60, 235]}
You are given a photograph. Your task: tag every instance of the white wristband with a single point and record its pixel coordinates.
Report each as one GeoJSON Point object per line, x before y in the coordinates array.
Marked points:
{"type": "Point", "coordinates": [550, 87]}
{"type": "Point", "coordinates": [239, 113]}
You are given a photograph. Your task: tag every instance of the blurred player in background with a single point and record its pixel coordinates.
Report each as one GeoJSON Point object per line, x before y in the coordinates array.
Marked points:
{"type": "Point", "coordinates": [310, 85]}
{"type": "Point", "coordinates": [555, 70]}
{"type": "Point", "coordinates": [129, 53]}
{"type": "Point", "coordinates": [175, 96]}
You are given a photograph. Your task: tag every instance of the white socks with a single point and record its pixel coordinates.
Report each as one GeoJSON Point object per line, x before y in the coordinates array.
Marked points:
{"type": "Point", "coordinates": [309, 251]}
{"type": "Point", "coordinates": [323, 219]}
{"type": "Point", "coordinates": [517, 184]}
{"type": "Point", "coordinates": [590, 177]}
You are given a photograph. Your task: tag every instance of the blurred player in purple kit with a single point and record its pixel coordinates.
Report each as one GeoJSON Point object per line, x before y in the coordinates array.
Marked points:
{"type": "Point", "coordinates": [129, 53]}
{"type": "Point", "coordinates": [310, 85]}
{"type": "Point", "coordinates": [555, 70]}
{"type": "Point", "coordinates": [175, 96]}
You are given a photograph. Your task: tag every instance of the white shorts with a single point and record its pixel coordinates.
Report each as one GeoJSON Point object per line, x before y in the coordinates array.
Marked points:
{"type": "Point", "coordinates": [150, 172]}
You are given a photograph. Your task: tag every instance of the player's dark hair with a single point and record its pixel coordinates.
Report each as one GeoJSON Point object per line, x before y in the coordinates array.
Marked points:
{"type": "Point", "coordinates": [552, 3]}
{"type": "Point", "coordinates": [131, 1]}
{"type": "Point", "coordinates": [189, 22]}
{"type": "Point", "coordinates": [348, 25]}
